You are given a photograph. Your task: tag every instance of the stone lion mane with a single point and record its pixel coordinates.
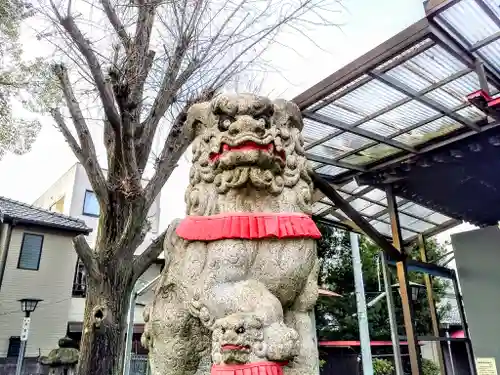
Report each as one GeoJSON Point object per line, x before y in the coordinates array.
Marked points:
{"type": "Point", "coordinates": [209, 185]}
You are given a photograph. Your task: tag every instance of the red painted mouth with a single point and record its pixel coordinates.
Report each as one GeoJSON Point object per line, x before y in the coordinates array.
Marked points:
{"type": "Point", "coordinates": [246, 146]}
{"type": "Point", "coordinates": [227, 347]}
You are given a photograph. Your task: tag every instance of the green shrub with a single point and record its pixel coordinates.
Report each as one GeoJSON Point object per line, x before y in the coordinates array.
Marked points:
{"type": "Point", "coordinates": [383, 367]}
{"type": "Point", "coordinates": [429, 367]}
{"type": "Point", "coordinates": [322, 362]}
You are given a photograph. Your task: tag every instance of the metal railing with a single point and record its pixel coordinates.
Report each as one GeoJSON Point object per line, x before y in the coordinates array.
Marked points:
{"type": "Point", "coordinates": [80, 280]}
{"type": "Point", "coordinates": [139, 365]}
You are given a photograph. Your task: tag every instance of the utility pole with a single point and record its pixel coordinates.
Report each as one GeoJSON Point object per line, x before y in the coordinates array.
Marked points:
{"type": "Point", "coordinates": [398, 364]}
{"type": "Point", "coordinates": [364, 333]}
{"type": "Point", "coordinates": [130, 323]}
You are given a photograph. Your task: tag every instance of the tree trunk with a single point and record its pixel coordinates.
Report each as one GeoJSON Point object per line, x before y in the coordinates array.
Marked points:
{"type": "Point", "coordinates": [105, 323]}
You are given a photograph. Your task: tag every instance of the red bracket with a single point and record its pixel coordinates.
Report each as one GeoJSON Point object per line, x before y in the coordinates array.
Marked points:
{"type": "Point", "coordinates": [485, 103]}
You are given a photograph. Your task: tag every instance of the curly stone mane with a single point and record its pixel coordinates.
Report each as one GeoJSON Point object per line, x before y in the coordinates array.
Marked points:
{"type": "Point", "coordinates": [248, 155]}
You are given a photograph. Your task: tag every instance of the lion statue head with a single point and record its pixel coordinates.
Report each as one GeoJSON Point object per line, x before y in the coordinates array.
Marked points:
{"type": "Point", "coordinates": [248, 156]}
{"type": "Point", "coordinates": [242, 338]}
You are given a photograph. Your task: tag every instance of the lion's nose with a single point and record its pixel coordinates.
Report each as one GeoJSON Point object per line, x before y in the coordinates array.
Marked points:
{"type": "Point", "coordinates": [247, 125]}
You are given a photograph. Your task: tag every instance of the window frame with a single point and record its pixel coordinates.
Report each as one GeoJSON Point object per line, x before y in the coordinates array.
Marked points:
{"type": "Point", "coordinates": [87, 191]}
{"type": "Point", "coordinates": [21, 251]}
{"type": "Point", "coordinates": [17, 341]}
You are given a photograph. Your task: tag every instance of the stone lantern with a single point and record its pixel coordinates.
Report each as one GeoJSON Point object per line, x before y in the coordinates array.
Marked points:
{"type": "Point", "coordinates": [63, 360]}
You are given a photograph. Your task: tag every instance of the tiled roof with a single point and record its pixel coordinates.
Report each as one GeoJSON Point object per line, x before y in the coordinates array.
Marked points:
{"type": "Point", "coordinates": [22, 213]}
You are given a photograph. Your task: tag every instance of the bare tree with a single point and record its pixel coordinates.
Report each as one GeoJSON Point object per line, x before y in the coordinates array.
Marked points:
{"type": "Point", "coordinates": [160, 57]}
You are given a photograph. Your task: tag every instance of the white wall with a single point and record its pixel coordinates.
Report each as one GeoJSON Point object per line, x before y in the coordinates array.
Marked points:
{"type": "Point", "coordinates": [63, 187]}
{"type": "Point", "coordinates": [50, 282]}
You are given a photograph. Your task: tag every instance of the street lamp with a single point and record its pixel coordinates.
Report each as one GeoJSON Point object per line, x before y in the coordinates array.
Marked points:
{"type": "Point", "coordinates": [415, 289]}
{"type": "Point", "coordinates": [28, 305]}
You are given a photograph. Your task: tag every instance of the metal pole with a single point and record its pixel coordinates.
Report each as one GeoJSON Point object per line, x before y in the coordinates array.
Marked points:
{"type": "Point", "coordinates": [20, 358]}
{"type": "Point", "coordinates": [483, 81]}
{"type": "Point", "coordinates": [22, 347]}
{"type": "Point", "coordinates": [130, 322]}
{"type": "Point", "coordinates": [452, 364]}
{"type": "Point", "coordinates": [465, 326]}
{"type": "Point", "coordinates": [432, 306]}
{"type": "Point", "coordinates": [130, 333]}
{"type": "Point", "coordinates": [378, 275]}
{"type": "Point", "coordinates": [364, 333]}
{"type": "Point", "coordinates": [398, 363]}
{"type": "Point", "coordinates": [404, 288]}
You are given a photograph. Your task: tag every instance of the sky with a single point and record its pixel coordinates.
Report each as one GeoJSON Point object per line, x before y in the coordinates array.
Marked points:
{"type": "Point", "coordinates": [361, 26]}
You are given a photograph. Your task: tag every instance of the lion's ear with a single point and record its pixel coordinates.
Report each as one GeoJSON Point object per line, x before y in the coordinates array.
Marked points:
{"type": "Point", "coordinates": [197, 119]}
{"type": "Point", "coordinates": [287, 113]}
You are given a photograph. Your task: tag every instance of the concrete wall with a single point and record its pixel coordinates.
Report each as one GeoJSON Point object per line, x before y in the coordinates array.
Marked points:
{"type": "Point", "coordinates": [477, 255]}
{"type": "Point", "coordinates": [61, 188]}
{"type": "Point", "coordinates": [50, 282]}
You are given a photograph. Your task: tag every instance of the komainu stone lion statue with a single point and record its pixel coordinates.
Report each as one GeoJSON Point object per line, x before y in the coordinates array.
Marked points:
{"type": "Point", "coordinates": [240, 282]}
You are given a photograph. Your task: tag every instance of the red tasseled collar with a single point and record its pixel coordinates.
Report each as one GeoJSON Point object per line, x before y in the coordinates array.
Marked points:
{"type": "Point", "coordinates": [260, 368]}
{"type": "Point", "coordinates": [247, 226]}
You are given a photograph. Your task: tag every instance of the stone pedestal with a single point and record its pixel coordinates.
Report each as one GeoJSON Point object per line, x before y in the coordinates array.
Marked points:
{"type": "Point", "coordinates": [63, 360]}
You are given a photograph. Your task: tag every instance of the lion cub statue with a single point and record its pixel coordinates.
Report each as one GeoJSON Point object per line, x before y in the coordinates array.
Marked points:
{"type": "Point", "coordinates": [240, 280]}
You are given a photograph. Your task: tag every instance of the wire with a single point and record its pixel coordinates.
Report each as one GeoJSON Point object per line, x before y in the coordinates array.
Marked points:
{"type": "Point", "coordinates": [42, 306]}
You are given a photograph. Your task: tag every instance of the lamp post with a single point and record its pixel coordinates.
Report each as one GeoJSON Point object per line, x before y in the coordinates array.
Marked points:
{"type": "Point", "coordinates": [415, 289]}
{"type": "Point", "coordinates": [28, 305]}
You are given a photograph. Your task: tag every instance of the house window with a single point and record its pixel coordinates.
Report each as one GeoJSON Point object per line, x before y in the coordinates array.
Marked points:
{"type": "Point", "coordinates": [31, 251]}
{"type": "Point", "coordinates": [90, 204]}
{"type": "Point", "coordinates": [14, 346]}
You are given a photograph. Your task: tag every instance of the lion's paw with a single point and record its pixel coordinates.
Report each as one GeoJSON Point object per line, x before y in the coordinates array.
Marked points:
{"type": "Point", "coordinates": [282, 342]}
{"type": "Point", "coordinates": [199, 310]}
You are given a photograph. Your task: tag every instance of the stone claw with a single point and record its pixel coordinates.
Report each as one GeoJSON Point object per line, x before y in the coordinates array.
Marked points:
{"type": "Point", "coordinates": [200, 311]}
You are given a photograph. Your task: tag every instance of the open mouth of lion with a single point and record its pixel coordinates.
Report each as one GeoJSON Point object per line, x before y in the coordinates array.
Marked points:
{"type": "Point", "coordinates": [247, 146]}
{"type": "Point", "coordinates": [233, 347]}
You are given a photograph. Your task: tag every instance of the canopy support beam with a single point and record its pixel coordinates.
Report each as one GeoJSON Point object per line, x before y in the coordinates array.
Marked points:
{"type": "Point", "coordinates": [330, 192]}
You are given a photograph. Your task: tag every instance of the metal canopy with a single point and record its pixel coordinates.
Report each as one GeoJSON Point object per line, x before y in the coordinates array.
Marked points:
{"type": "Point", "coordinates": [371, 203]}
{"type": "Point", "coordinates": [401, 100]}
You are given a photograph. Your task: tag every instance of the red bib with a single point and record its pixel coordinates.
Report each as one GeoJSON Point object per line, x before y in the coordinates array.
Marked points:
{"type": "Point", "coordinates": [247, 226]}
{"type": "Point", "coordinates": [259, 368]}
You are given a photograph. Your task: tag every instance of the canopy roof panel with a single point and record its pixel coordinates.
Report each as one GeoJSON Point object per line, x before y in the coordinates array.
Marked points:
{"type": "Point", "coordinates": [399, 101]}
{"type": "Point", "coordinates": [371, 203]}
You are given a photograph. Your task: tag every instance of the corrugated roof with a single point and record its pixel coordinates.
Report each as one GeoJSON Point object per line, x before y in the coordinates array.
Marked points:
{"type": "Point", "coordinates": [399, 101]}
{"type": "Point", "coordinates": [23, 213]}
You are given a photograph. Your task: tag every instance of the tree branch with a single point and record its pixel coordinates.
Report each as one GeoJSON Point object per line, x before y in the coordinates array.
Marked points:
{"type": "Point", "coordinates": [166, 96]}
{"type": "Point", "coordinates": [86, 254]}
{"type": "Point", "coordinates": [85, 49]}
{"type": "Point", "coordinates": [140, 60]}
{"type": "Point", "coordinates": [131, 237]}
{"type": "Point", "coordinates": [86, 152]}
{"type": "Point", "coordinates": [73, 144]}
{"type": "Point", "coordinates": [116, 23]}
{"type": "Point", "coordinates": [143, 261]}
{"type": "Point", "coordinates": [177, 142]}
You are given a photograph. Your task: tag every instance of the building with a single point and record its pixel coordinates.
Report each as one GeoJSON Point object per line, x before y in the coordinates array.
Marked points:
{"type": "Point", "coordinates": [72, 195]}
{"type": "Point", "coordinates": [34, 243]}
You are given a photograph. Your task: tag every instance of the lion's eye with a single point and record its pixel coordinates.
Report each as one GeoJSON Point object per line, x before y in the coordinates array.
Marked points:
{"type": "Point", "coordinates": [223, 330]}
{"type": "Point", "coordinates": [264, 121]}
{"type": "Point", "coordinates": [240, 330]}
{"type": "Point", "coordinates": [224, 123]}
